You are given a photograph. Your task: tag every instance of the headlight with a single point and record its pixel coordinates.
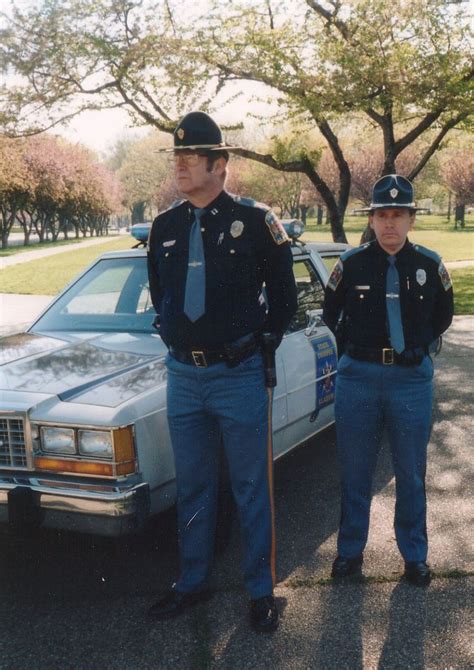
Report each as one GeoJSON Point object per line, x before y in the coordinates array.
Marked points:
{"type": "Point", "coordinates": [95, 443]}
{"type": "Point", "coordinates": [58, 440]}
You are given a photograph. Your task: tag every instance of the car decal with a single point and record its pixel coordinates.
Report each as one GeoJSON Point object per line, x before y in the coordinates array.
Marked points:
{"type": "Point", "coordinates": [326, 364]}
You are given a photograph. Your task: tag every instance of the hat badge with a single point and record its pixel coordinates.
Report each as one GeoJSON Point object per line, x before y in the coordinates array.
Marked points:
{"type": "Point", "coordinates": [180, 133]}
{"type": "Point", "coordinates": [393, 192]}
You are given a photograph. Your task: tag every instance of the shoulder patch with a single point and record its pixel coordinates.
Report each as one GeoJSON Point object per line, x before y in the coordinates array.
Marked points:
{"type": "Point", "coordinates": [427, 252]}
{"type": "Point", "coordinates": [276, 228]}
{"type": "Point", "coordinates": [444, 276]}
{"type": "Point", "coordinates": [336, 275]}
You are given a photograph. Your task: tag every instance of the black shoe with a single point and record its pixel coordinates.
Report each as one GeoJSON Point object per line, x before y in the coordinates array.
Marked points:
{"type": "Point", "coordinates": [173, 603]}
{"type": "Point", "coordinates": [264, 614]}
{"type": "Point", "coordinates": [347, 567]}
{"type": "Point", "coordinates": [418, 573]}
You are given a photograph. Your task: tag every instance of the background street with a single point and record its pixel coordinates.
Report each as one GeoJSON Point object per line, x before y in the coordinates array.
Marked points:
{"type": "Point", "coordinates": [69, 601]}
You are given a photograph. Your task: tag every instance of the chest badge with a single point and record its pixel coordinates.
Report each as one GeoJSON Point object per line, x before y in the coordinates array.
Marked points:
{"type": "Point", "coordinates": [236, 228]}
{"type": "Point", "coordinates": [421, 277]}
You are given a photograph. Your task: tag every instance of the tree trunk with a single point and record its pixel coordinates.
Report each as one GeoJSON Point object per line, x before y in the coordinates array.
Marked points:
{"type": "Point", "coordinates": [459, 216]}
{"type": "Point", "coordinates": [138, 212]}
{"type": "Point", "coordinates": [319, 220]}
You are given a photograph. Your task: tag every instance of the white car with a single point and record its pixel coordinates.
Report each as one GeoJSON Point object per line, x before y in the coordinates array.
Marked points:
{"type": "Point", "coordinates": [84, 442]}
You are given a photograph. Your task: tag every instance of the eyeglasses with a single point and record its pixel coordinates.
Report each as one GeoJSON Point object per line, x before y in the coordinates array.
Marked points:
{"type": "Point", "coordinates": [190, 159]}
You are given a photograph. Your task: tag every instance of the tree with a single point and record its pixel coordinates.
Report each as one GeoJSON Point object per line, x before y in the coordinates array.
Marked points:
{"type": "Point", "coordinates": [48, 184]}
{"type": "Point", "coordinates": [14, 184]}
{"type": "Point", "coordinates": [144, 173]}
{"type": "Point", "coordinates": [404, 66]}
{"type": "Point", "coordinates": [457, 173]}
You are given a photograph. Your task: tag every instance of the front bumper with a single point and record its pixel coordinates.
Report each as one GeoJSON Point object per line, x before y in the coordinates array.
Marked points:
{"type": "Point", "coordinates": [110, 510]}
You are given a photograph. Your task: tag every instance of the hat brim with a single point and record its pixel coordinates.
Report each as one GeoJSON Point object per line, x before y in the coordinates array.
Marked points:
{"type": "Point", "coordinates": [373, 207]}
{"type": "Point", "coordinates": [199, 147]}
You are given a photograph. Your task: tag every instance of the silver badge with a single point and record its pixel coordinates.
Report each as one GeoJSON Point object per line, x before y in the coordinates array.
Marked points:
{"type": "Point", "coordinates": [421, 276]}
{"type": "Point", "coordinates": [393, 192]}
{"type": "Point", "coordinates": [236, 228]}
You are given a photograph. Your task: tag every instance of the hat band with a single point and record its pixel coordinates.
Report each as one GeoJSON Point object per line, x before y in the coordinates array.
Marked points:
{"type": "Point", "coordinates": [410, 205]}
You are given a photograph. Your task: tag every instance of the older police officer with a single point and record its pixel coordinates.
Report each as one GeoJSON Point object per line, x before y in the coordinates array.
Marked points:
{"type": "Point", "coordinates": [393, 299]}
{"type": "Point", "coordinates": [209, 257]}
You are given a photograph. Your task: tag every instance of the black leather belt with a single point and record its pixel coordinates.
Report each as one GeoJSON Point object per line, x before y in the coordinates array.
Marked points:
{"type": "Point", "coordinates": [232, 353]}
{"type": "Point", "coordinates": [387, 356]}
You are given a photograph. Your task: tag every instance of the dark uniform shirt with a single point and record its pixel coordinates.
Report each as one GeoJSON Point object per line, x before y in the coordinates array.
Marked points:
{"type": "Point", "coordinates": [357, 286]}
{"type": "Point", "coordinates": [244, 247]}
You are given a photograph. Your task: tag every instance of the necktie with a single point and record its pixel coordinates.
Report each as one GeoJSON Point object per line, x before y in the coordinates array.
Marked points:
{"type": "Point", "coordinates": [394, 315]}
{"type": "Point", "coordinates": [195, 291]}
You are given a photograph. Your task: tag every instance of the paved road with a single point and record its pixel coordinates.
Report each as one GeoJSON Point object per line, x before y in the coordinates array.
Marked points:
{"type": "Point", "coordinates": [78, 602]}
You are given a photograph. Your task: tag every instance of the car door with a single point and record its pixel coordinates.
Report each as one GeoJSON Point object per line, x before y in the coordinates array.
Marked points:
{"type": "Point", "coordinates": [309, 359]}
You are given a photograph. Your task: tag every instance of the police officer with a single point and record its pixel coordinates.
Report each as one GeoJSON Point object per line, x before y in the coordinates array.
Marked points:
{"type": "Point", "coordinates": [209, 258]}
{"type": "Point", "coordinates": [393, 300]}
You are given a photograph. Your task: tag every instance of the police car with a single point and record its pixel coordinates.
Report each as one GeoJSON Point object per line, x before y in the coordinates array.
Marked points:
{"type": "Point", "coordinates": [84, 443]}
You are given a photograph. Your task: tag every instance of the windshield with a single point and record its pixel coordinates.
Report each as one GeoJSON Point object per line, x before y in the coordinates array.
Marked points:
{"type": "Point", "coordinates": [113, 295]}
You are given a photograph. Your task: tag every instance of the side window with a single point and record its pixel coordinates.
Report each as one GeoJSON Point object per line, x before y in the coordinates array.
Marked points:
{"type": "Point", "coordinates": [310, 293]}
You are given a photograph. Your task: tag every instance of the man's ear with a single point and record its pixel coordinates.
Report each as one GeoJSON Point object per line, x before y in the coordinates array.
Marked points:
{"type": "Point", "coordinates": [371, 221]}
{"type": "Point", "coordinates": [219, 166]}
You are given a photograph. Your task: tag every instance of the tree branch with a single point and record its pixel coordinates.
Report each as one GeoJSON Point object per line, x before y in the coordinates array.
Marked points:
{"type": "Point", "coordinates": [434, 146]}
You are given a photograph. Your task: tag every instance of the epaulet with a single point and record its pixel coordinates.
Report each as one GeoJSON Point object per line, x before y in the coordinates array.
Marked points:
{"type": "Point", "coordinates": [427, 252]}
{"type": "Point", "coordinates": [173, 205]}
{"type": "Point", "coordinates": [356, 250]}
{"type": "Point", "coordinates": [249, 202]}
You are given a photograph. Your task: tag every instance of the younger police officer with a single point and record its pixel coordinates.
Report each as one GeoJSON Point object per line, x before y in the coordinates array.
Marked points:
{"type": "Point", "coordinates": [209, 257]}
{"type": "Point", "coordinates": [395, 299]}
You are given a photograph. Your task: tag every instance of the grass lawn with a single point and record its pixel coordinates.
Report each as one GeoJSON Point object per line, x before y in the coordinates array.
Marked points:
{"type": "Point", "coordinates": [463, 280]}
{"type": "Point", "coordinates": [47, 276]}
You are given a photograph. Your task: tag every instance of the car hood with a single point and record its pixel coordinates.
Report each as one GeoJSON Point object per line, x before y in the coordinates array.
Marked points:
{"type": "Point", "coordinates": [102, 369]}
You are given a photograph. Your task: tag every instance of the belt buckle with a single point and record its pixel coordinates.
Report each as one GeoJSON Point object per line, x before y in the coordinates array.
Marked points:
{"type": "Point", "coordinates": [199, 359]}
{"type": "Point", "coordinates": [387, 356]}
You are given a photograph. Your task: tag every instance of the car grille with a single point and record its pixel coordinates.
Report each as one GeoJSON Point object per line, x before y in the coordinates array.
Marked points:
{"type": "Point", "coordinates": [12, 443]}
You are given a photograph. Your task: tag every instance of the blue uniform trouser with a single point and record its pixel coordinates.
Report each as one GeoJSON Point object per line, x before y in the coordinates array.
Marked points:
{"type": "Point", "coordinates": [207, 406]}
{"type": "Point", "coordinates": [371, 397]}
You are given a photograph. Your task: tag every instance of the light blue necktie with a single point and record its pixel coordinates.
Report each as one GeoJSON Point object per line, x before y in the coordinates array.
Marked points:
{"type": "Point", "coordinates": [394, 315]}
{"type": "Point", "coordinates": [195, 292]}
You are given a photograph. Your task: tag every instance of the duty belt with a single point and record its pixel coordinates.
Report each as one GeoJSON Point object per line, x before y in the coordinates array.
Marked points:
{"type": "Point", "coordinates": [231, 354]}
{"type": "Point", "coordinates": [387, 355]}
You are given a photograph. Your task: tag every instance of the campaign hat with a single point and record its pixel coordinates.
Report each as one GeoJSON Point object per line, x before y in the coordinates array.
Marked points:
{"type": "Point", "coordinates": [197, 131]}
{"type": "Point", "coordinates": [392, 190]}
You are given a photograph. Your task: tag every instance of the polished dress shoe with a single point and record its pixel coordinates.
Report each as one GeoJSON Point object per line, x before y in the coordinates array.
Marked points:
{"type": "Point", "coordinates": [347, 567]}
{"type": "Point", "coordinates": [174, 603]}
{"type": "Point", "coordinates": [264, 614]}
{"type": "Point", "coordinates": [417, 573]}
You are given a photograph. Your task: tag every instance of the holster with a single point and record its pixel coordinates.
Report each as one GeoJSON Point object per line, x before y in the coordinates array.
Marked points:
{"type": "Point", "coordinates": [240, 349]}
